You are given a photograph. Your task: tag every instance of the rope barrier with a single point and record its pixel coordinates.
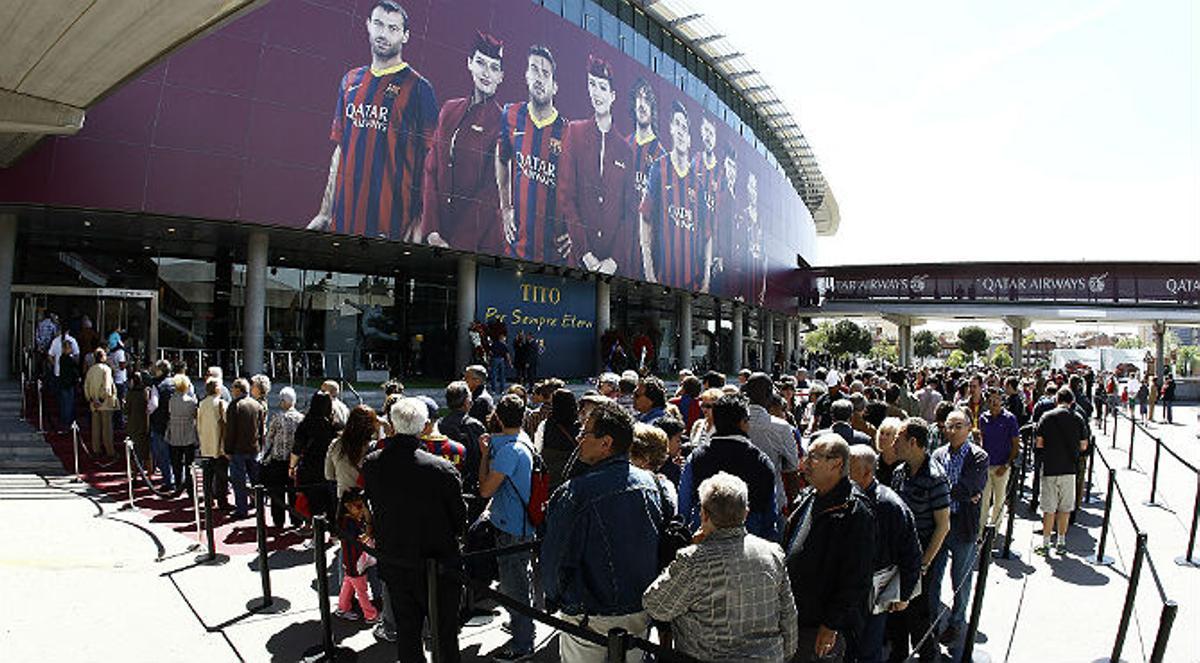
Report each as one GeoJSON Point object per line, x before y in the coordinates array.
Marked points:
{"type": "Point", "coordinates": [142, 471]}
{"type": "Point", "coordinates": [1137, 424]}
{"type": "Point", "coordinates": [933, 623]}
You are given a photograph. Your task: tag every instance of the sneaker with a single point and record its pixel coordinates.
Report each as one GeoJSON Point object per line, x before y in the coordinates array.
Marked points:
{"type": "Point", "coordinates": [346, 615]}
{"type": "Point", "coordinates": [382, 633]}
{"type": "Point", "coordinates": [507, 653]}
{"type": "Point", "coordinates": [1061, 549]}
{"type": "Point", "coordinates": [377, 620]}
{"type": "Point", "coordinates": [1043, 551]}
{"type": "Point", "coordinates": [949, 636]}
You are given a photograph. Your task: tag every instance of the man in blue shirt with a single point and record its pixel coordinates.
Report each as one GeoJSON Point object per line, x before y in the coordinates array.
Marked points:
{"type": "Point", "coordinates": [505, 472]}
{"type": "Point", "coordinates": [1001, 433]}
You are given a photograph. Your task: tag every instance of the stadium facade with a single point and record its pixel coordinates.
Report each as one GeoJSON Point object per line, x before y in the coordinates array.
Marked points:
{"type": "Point", "coordinates": [350, 186]}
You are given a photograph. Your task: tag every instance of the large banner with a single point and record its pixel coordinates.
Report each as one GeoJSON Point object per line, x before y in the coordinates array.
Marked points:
{"type": "Point", "coordinates": [495, 127]}
{"type": "Point", "coordinates": [558, 315]}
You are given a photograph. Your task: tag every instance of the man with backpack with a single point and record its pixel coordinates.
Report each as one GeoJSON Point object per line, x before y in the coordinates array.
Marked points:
{"type": "Point", "coordinates": [601, 550]}
{"type": "Point", "coordinates": [506, 468]}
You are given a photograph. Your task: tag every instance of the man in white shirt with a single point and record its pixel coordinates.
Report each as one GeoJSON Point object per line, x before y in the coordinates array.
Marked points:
{"type": "Point", "coordinates": [775, 437]}
{"type": "Point", "coordinates": [118, 362]}
{"type": "Point", "coordinates": [66, 380]}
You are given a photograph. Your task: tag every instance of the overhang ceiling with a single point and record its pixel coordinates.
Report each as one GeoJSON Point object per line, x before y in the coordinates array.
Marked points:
{"type": "Point", "coordinates": [59, 57]}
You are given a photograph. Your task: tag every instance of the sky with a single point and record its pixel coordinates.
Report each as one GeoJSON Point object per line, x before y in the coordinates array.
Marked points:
{"type": "Point", "coordinates": [1008, 131]}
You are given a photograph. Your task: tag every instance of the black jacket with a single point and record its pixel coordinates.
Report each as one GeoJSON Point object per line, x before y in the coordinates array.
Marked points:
{"type": "Point", "coordinates": [895, 535]}
{"type": "Point", "coordinates": [831, 567]}
{"type": "Point", "coordinates": [466, 430]}
{"type": "Point", "coordinates": [416, 503]}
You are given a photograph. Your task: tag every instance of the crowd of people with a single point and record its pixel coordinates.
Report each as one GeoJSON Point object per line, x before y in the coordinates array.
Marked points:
{"type": "Point", "coordinates": [786, 517]}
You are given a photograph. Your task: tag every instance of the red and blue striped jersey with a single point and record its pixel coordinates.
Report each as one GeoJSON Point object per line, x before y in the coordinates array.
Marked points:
{"type": "Point", "coordinates": [535, 147]}
{"type": "Point", "coordinates": [383, 124]}
{"type": "Point", "coordinates": [644, 156]}
{"type": "Point", "coordinates": [709, 188]}
{"type": "Point", "coordinates": [671, 205]}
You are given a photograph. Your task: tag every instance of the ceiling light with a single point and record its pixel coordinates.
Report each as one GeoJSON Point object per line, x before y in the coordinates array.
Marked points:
{"type": "Point", "coordinates": [87, 224]}
{"type": "Point", "coordinates": [407, 252]}
{"type": "Point", "coordinates": [337, 244]}
{"type": "Point", "coordinates": [282, 258]}
{"type": "Point", "coordinates": [145, 248]}
{"type": "Point", "coordinates": [170, 230]}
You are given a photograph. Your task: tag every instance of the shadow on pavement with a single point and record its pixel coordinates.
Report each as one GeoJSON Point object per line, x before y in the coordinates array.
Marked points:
{"type": "Point", "coordinates": [283, 559]}
{"type": "Point", "coordinates": [1076, 572]}
{"type": "Point", "coordinates": [1015, 567]}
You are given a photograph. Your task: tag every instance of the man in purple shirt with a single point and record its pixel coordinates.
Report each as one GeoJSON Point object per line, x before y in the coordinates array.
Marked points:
{"type": "Point", "coordinates": [1001, 435]}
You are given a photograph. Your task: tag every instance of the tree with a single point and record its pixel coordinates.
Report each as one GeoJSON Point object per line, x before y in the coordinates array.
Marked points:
{"type": "Point", "coordinates": [1029, 338]}
{"type": "Point", "coordinates": [957, 359]}
{"type": "Point", "coordinates": [1185, 358]}
{"type": "Point", "coordinates": [848, 338]}
{"type": "Point", "coordinates": [1130, 343]}
{"type": "Point", "coordinates": [973, 340]}
{"type": "Point", "coordinates": [926, 344]}
{"type": "Point", "coordinates": [817, 340]}
{"type": "Point", "coordinates": [1001, 358]}
{"type": "Point", "coordinates": [888, 352]}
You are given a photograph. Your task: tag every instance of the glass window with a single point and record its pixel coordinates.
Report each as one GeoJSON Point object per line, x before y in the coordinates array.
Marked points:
{"type": "Point", "coordinates": [572, 10]}
{"type": "Point", "coordinates": [591, 17]}
{"type": "Point", "coordinates": [627, 40]}
{"type": "Point", "coordinates": [641, 49]}
{"type": "Point", "coordinates": [555, 6]}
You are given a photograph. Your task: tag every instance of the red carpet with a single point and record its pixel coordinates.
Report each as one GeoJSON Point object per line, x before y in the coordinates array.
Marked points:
{"type": "Point", "coordinates": [233, 537]}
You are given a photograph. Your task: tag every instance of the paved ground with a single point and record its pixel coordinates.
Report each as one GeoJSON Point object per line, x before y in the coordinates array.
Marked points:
{"type": "Point", "coordinates": [125, 586]}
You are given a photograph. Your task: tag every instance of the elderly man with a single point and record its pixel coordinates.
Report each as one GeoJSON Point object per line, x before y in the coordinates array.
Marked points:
{"type": "Point", "coordinates": [841, 411]}
{"type": "Point", "coordinates": [753, 619]}
{"type": "Point", "coordinates": [461, 427]}
{"type": "Point", "coordinates": [600, 552]}
{"type": "Point", "coordinates": [482, 404]}
{"type": "Point", "coordinates": [966, 466]}
{"type": "Point", "coordinates": [341, 411]}
{"type": "Point", "coordinates": [897, 562]}
{"type": "Point", "coordinates": [830, 549]}
{"type": "Point", "coordinates": [397, 476]}
{"type": "Point", "coordinates": [245, 426]}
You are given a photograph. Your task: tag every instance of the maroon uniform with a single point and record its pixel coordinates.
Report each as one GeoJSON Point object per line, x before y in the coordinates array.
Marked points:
{"type": "Point", "coordinates": [677, 236]}
{"type": "Point", "coordinates": [597, 198]}
{"type": "Point", "coordinates": [461, 201]}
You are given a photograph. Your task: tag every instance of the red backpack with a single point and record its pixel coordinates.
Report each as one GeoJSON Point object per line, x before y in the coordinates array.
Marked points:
{"type": "Point", "coordinates": [539, 489]}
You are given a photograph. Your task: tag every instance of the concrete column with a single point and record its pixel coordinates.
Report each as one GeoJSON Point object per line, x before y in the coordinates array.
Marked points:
{"type": "Point", "coordinates": [1160, 332]}
{"type": "Point", "coordinates": [465, 313]}
{"type": "Point", "coordinates": [738, 340]}
{"type": "Point", "coordinates": [685, 330]}
{"type": "Point", "coordinates": [254, 302]}
{"type": "Point", "coordinates": [715, 351]}
{"type": "Point", "coordinates": [904, 342]}
{"type": "Point", "coordinates": [768, 355]}
{"type": "Point", "coordinates": [8, 251]}
{"type": "Point", "coordinates": [789, 341]}
{"type": "Point", "coordinates": [1018, 335]}
{"type": "Point", "coordinates": [603, 319]}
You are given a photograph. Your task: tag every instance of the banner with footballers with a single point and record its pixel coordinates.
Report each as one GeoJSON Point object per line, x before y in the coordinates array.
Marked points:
{"type": "Point", "coordinates": [495, 127]}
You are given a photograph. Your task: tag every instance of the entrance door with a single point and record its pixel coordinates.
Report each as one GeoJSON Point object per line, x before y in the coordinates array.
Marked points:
{"type": "Point", "coordinates": [90, 313]}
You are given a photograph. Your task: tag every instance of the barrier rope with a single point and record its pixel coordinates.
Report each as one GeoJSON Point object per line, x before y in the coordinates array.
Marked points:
{"type": "Point", "coordinates": [145, 477]}
{"type": "Point", "coordinates": [933, 623]}
{"type": "Point", "coordinates": [1159, 440]}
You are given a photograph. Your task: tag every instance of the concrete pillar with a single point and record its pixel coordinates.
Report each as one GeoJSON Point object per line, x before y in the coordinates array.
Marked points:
{"type": "Point", "coordinates": [465, 313]}
{"type": "Point", "coordinates": [685, 330]}
{"type": "Point", "coordinates": [738, 340]}
{"type": "Point", "coordinates": [717, 346]}
{"type": "Point", "coordinates": [254, 303]}
{"type": "Point", "coordinates": [904, 343]}
{"type": "Point", "coordinates": [789, 342]}
{"type": "Point", "coordinates": [8, 251]}
{"type": "Point", "coordinates": [603, 319]}
{"type": "Point", "coordinates": [768, 355]}
{"type": "Point", "coordinates": [1160, 332]}
{"type": "Point", "coordinates": [1018, 335]}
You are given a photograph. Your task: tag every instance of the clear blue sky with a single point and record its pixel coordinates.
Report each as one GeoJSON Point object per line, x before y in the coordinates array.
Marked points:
{"type": "Point", "coordinates": [1017, 130]}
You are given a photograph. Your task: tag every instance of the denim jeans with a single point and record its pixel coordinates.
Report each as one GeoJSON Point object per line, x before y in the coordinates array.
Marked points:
{"type": "Point", "coordinates": [515, 583]}
{"type": "Point", "coordinates": [960, 557]}
{"type": "Point", "coordinates": [66, 407]}
{"type": "Point", "coordinates": [868, 643]}
{"type": "Point", "coordinates": [242, 470]}
{"type": "Point", "coordinates": [160, 451]}
{"type": "Point", "coordinates": [497, 379]}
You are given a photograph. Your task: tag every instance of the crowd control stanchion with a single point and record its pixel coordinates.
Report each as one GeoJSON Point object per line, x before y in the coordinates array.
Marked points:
{"type": "Point", "coordinates": [435, 636]}
{"type": "Point", "coordinates": [210, 557]}
{"type": "Point", "coordinates": [1100, 559]}
{"type": "Point", "coordinates": [1012, 510]}
{"type": "Point", "coordinates": [1132, 431]}
{"type": "Point", "coordinates": [129, 474]}
{"type": "Point", "coordinates": [1035, 489]}
{"type": "Point", "coordinates": [1135, 572]}
{"type": "Point", "coordinates": [618, 645]}
{"type": "Point", "coordinates": [41, 420]}
{"type": "Point", "coordinates": [266, 603]}
{"type": "Point", "coordinates": [1089, 495]}
{"type": "Point", "coordinates": [24, 396]}
{"type": "Point", "coordinates": [1166, 620]}
{"type": "Point", "coordinates": [196, 502]}
{"type": "Point", "coordinates": [327, 651]}
{"type": "Point", "coordinates": [989, 536]}
{"type": "Point", "coordinates": [1154, 473]}
{"type": "Point", "coordinates": [1188, 559]}
{"type": "Point", "coordinates": [75, 448]}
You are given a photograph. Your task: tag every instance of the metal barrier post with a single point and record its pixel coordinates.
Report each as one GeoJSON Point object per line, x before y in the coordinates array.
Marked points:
{"type": "Point", "coordinates": [41, 397]}
{"type": "Point", "coordinates": [1165, 620]}
{"type": "Point", "coordinates": [1154, 474]}
{"type": "Point", "coordinates": [327, 650]}
{"type": "Point", "coordinates": [75, 448]}
{"type": "Point", "coordinates": [1088, 496]}
{"type": "Point", "coordinates": [1114, 432]}
{"type": "Point", "coordinates": [1187, 559]}
{"type": "Point", "coordinates": [195, 468]}
{"type": "Point", "coordinates": [989, 535]}
{"type": "Point", "coordinates": [1135, 572]}
{"type": "Point", "coordinates": [210, 556]}
{"type": "Point", "coordinates": [24, 396]}
{"type": "Point", "coordinates": [265, 603]}
{"type": "Point", "coordinates": [291, 369]}
{"type": "Point", "coordinates": [1012, 505]}
{"type": "Point", "coordinates": [431, 582]}
{"type": "Point", "coordinates": [1100, 559]}
{"type": "Point", "coordinates": [129, 473]}
{"type": "Point", "coordinates": [1035, 488]}
{"type": "Point", "coordinates": [618, 644]}
{"type": "Point", "coordinates": [1132, 430]}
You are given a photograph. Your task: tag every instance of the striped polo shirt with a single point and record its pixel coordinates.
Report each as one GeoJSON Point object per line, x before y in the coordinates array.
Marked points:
{"type": "Point", "coordinates": [925, 492]}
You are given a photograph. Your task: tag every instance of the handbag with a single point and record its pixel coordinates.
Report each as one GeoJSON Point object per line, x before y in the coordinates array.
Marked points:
{"type": "Point", "coordinates": [673, 533]}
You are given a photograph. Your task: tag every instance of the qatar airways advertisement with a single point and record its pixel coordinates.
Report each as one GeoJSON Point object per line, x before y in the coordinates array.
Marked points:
{"type": "Point", "coordinates": [497, 127]}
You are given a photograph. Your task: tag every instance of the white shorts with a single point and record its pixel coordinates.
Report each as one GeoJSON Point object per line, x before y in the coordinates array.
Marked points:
{"type": "Point", "coordinates": [1058, 494]}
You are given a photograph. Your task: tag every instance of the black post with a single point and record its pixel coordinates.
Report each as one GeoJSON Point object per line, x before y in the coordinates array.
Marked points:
{"type": "Point", "coordinates": [260, 517]}
{"type": "Point", "coordinates": [1114, 441]}
{"type": "Point", "coordinates": [1165, 620]}
{"type": "Point", "coordinates": [989, 535]}
{"type": "Point", "coordinates": [618, 644]}
{"type": "Point", "coordinates": [1091, 465]}
{"type": "Point", "coordinates": [1012, 505]}
{"type": "Point", "coordinates": [1154, 474]}
{"type": "Point", "coordinates": [1187, 560]}
{"type": "Point", "coordinates": [209, 556]}
{"type": "Point", "coordinates": [1036, 487]}
{"type": "Point", "coordinates": [431, 580]}
{"type": "Point", "coordinates": [323, 586]}
{"type": "Point", "coordinates": [1135, 572]}
{"type": "Point", "coordinates": [1132, 430]}
{"type": "Point", "coordinates": [1099, 558]}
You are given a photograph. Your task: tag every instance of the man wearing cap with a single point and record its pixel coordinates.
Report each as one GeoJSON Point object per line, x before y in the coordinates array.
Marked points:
{"type": "Point", "coordinates": [461, 204]}
{"type": "Point", "coordinates": [596, 190]}
{"type": "Point", "coordinates": [676, 243]}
